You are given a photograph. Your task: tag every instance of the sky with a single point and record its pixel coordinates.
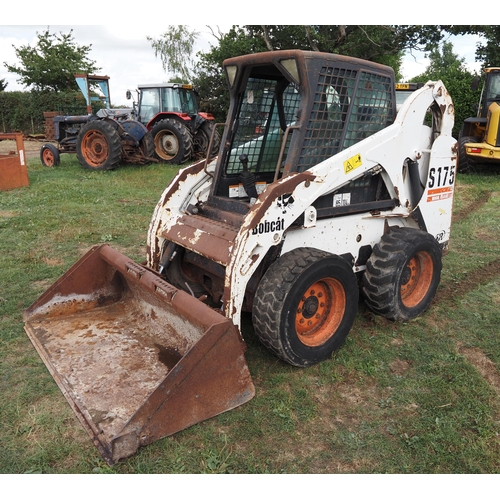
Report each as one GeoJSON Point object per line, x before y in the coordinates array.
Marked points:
{"type": "Point", "coordinates": [123, 52]}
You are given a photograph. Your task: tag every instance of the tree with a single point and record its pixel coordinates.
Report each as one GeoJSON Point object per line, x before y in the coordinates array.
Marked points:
{"type": "Point", "coordinates": [175, 48]}
{"type": "Point", "coordinates": [209, 78]}
{"type": "Point", "coordinates": [382, 44]}
{"type": "Point", "coordinates": [3, 84]}
{"type": "Point", "coordinates": [50, 65]}
{"type": "Point", "coordinates": [448, 67]}
{"type": "Point", "coordinates": [488, 48]}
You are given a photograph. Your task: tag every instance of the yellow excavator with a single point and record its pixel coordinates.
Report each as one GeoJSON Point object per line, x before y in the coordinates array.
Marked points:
{"type": "Point", "coordinates": [479, 139]}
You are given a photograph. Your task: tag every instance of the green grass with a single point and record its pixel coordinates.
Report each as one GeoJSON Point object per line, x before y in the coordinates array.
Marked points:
{"type": "Point", "coordinates": [421, 397]}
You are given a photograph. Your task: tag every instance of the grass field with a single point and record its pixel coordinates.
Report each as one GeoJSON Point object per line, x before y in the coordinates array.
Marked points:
{"type": "Point", "coordinates": [421, 397]}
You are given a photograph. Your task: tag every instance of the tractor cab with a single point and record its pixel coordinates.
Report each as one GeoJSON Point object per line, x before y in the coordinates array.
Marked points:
{"type": "Point", "coordinates": [166, 97]}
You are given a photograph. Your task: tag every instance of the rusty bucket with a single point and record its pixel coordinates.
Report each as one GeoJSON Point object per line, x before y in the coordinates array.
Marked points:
{"type": "Point", "coordinates": [136, 358]}
{"type": "Point", "coordinates": [13, 170]}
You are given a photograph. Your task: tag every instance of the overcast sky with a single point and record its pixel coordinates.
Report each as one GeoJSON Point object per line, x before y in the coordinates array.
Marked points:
{"type": "Point", "coordinates": [126, 56]}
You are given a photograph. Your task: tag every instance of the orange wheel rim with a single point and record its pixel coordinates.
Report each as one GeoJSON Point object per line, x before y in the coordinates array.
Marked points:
{"type": "Point", "coordinates": [417, 279]}
{"type": "Point", "coordinates": [320, 312]}
{"type": "Point", "coordinates": [166, 145]}
{"type": "Point", "coordinates": [95, 148]}
{"type": "Point", "coordinates": [48, 158]}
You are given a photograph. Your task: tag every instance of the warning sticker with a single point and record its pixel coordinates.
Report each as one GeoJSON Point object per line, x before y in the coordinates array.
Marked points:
{"type": "Point", "coordinates": [238, 191]}
{"type": "Point", "coordinates": [438, 194]}
{"type": "Point", "coordinates": [352, 163]}
{"type": "Point", "coordinates": [342, 200]}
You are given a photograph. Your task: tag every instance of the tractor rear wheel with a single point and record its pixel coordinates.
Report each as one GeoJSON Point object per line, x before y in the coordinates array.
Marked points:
{"type": "Point", "coordinates": [173, 141]}
{"type": "Point", "coordinates": [305, 305]}
{"type": "Point", "coordinates": [98, 146]}
{"type": "Point", "coordinates": [201, 140]}
{"type": "Point", "coordinates": [402, 274]}
{"type": "Point", "coordinates": [49, 155]}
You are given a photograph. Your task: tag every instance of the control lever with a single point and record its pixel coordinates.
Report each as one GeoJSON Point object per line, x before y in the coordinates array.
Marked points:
{"type": "Point", "coordinates": [247, 178]}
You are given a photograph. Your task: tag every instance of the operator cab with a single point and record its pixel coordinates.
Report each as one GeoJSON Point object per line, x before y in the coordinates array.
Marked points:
{"type": "Point", "coordinates": [291, 110]}
{"type": "Point", "coordinates": [166, 97]}
{"type": "Point", "coordinates": [490, 92]}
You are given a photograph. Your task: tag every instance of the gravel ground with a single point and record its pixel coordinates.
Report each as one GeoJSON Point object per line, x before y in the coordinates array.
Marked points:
{"type": "Point", "coordinates": [31, 147]}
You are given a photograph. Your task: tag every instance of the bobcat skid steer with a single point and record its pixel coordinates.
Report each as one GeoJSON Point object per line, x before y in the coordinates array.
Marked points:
{"type": "Point", "coordinates": [319, 191]}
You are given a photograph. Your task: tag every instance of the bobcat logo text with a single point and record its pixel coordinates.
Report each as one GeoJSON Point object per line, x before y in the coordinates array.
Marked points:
{"type": "Point", "coordinates": [269, 227]}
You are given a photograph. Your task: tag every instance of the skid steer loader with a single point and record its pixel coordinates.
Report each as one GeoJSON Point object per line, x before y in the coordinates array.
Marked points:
{"type": "Point", "coordinates": [319, 191]}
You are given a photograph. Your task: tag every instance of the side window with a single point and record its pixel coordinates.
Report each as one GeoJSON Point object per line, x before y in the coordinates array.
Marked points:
{"type": "Point", "coordinates": [171, 101]}
{"type": "Point", "coordinates": [372, 108]}
{"type": "Point", "coordinates": [150, 104]}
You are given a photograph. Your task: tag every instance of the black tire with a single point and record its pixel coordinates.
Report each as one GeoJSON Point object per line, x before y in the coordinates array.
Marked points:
{"type": "Point", "coordinates": [402, 274]}
{"type": "Point", "coordinates": [201, 140]}
{"type": "Point", "coordinates": [287, 316]}
{"type": "Point", "coordinates": [98, 146]}
{"type": "Point", "coordinates": [147, 146]}
{"type": "Point", "coordinates": [49, 155]}
{"type": "Point", "coordinates": [173, 141]}
{"type": "Point", "coordinates": [464, 163]}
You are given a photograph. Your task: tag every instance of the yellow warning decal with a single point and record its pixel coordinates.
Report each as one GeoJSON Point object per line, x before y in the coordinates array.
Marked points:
{"type": "Point", "coordinates": [352, 163]}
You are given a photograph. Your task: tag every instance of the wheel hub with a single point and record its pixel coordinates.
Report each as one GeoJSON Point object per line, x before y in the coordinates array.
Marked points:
{"type": "Point", "coordinates": [320, 312]}
{"type": "Point", "coordinates": [167, 145]}
{"type": "Point", "coordinates": [48, 158]}
{"type": "Point", "coordinates": [95, 148]}
{"type": "Point", "coordinates": [416, 279]}
{"type": "Point", "coordinates": [310, 306]}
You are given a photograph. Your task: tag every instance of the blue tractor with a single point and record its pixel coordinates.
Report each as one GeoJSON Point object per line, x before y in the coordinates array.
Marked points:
{"type": "Point", "coordinates": [103, 140]}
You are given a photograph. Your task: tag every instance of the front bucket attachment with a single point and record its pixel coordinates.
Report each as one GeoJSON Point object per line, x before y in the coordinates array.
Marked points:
{"type": "Point", "coordinates": [136, 358]}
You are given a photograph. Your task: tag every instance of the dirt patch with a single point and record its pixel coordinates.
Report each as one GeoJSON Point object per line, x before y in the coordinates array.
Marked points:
{"type": "Point", "coordinates": [399, 366]}
{"type": "Point", "coordinates": [7, 214]}
{"type": "Point", "coordinates": [483, 365]}
{"type": "Point", "coordinates": [482, 198]}
{"type": "Point", "coordinates": [31, 147]}
{"type": "Point", "coordinates": [480, 276]}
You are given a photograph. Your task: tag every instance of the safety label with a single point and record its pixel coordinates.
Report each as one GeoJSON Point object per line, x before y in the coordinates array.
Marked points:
{"type": "Point", "coordinates": [238, 191]}
{"type": "Point", "coordinates": [352, 163]}
{"type": "Point", "coordinates": [438, 194]}
{"type": "Point", "coordinates": [341, 200]}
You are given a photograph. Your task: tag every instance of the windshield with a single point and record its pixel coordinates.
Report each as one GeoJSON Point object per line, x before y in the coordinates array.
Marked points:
{"type": "Point", "coordinates": [267, 108]}
{"type": "Point", "coordinates": [494, 87]}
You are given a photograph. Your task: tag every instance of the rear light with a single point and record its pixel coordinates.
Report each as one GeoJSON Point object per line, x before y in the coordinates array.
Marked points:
{"type": "Point", "coordinates": [475, 150]}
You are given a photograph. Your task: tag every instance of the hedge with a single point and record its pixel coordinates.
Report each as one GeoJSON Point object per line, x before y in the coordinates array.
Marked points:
{"type": "Point", "coordinates": [23, 111]}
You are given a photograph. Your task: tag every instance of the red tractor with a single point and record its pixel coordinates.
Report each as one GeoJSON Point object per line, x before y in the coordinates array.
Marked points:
{"type": "Point", "coordinates": [180, 131]}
